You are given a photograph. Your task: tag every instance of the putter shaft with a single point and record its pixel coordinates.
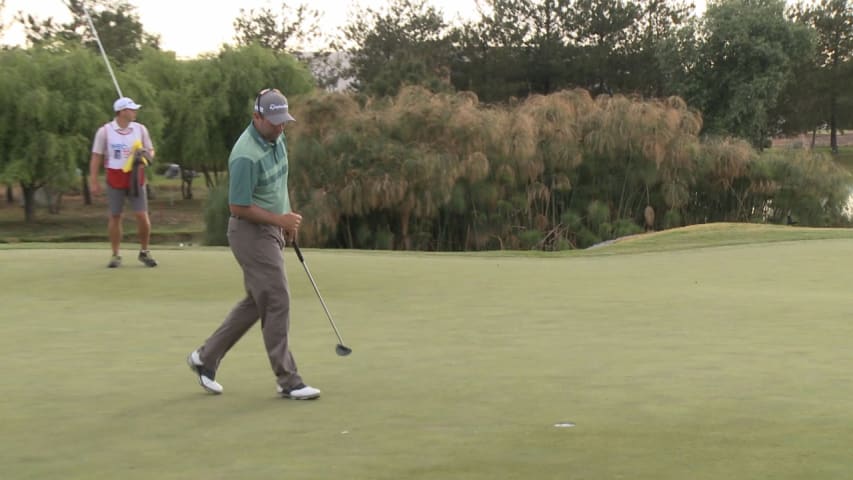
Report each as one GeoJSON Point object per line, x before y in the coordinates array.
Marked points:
{"type": "Point", "coordinates": [341, 347]}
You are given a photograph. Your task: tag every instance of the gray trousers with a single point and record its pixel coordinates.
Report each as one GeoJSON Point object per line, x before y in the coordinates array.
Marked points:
{"type": "Point", "coordinates": [257, 249]}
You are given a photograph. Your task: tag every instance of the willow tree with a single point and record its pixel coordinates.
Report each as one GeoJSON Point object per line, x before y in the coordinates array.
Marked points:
{"type": "Point", "coordinates": [60, 97]}
{"type": "Point", "coordinates": [175, 103]}
{"type": "Point", "coordinates": [209, 100]}
{"type": "Point", "coordinates": [119, 28]}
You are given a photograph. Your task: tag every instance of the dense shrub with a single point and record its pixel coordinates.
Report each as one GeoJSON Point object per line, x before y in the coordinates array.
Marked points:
{"type": "Point", "coordinates": [216, 216]}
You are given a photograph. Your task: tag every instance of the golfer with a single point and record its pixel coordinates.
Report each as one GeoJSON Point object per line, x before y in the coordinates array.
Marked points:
{"type": "Point", "coordinates": [260, 224]}
{"type": "Point", "coordinates": [123, 146]}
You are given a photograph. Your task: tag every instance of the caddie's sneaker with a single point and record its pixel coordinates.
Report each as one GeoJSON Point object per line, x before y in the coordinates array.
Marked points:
{"type": "Point", "coordinates": [299, 392]}
{"type": "Point", "coordinates": [205, 376]}
{"type": "Point", "coordinates": [146, 258]}
{"type": "Point", "coordinates": [115, 262]}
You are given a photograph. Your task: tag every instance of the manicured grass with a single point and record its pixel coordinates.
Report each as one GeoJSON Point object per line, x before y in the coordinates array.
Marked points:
{"type": "Point", "coordinates": [708, 362]}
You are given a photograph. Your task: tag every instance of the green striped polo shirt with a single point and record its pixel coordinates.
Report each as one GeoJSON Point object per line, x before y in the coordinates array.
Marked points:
{"type": "Point", "coordinates": [257, 171]}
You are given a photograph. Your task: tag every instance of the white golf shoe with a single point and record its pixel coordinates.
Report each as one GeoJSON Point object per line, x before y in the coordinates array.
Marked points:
{"type": "Point", "coordinates": [205, 376]}
{"type": "Point", "coordinates": [299, 392]}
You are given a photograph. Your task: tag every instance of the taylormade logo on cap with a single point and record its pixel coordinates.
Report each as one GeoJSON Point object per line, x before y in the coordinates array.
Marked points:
{"type": "Point", "coordinates": [272, 105]}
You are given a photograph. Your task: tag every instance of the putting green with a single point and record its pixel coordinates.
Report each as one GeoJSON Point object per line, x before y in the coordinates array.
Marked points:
{"type": "Point", "coordinates": [725, 362]}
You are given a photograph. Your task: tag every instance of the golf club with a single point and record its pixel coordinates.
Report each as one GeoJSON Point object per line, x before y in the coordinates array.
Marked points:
{"type": "Point", "coordinates": [341, 349]}
{"type": "Point", "coordinates": [101, 47]}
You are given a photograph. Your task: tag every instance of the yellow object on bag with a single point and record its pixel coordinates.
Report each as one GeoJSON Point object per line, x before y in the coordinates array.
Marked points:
{"type": "Point", "coordinates": [134, 150]}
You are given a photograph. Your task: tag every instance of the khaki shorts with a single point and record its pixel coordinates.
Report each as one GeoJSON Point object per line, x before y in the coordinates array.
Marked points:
{"type": "Point", "coordinates": [116, 197]}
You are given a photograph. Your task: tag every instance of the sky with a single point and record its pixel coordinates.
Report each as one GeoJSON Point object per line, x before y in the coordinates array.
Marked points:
{"type": "Point", "coordinates": [193, 27]}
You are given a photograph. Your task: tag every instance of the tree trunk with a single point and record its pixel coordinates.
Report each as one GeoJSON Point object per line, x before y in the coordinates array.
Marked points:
{"type": "Point", "coordinates": [348, 232]}
{"type": "Point", "coordinates": [187, 183]}
{"type": "Point", "coordinates": [405, 215]}
{"type": "Point", "coordinates": [10, 196]}
{"type": "Point", "coordinates": [208, 179]}
{"type": "Point", "coordinates": [833, 137]}
{"type": "Point", "coordinates": [29, 202]}
{"type": "Point", "coordinates": [54, 201]}
{"type": "Point", "coordinates": [87, 195]}
{"type": "Point", "coordinates": [624, 187]}
{"type": "Point", "coordinates": [833, 103]}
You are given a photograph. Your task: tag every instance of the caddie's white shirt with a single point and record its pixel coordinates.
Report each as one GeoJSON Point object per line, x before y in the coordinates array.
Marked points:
{"type": "Point", "coordinates": [114, 142]}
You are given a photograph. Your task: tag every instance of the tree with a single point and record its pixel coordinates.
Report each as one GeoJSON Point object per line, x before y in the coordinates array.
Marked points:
{"type": "Point", "coordinates": [288, 31]}
{"type": "Point", "coordinates": [802, 105]}
{"type": "Point", "coordinates": [10, 198]}
{"type": "Point", "coordinates": [60, 98]}
{"type": "Point", "coordinates": [407, 44]}
{"type": "Point", "coordinates": [518, 48]}
{"type": "Point", "coordinates": [489, 65]}
{"type": "Point", "coordinates": [657, 22]}
{"type": "Point", "coordinates": [293, 31]}
{"type": "Point", "coordinates": [207, 102]}
{"type": "Point", "coordinates": [600, 33]}
{"type": "Point", "coordinates": [745, 56]}
{"type": "Point", "coordinates": [515, 49]}
{"type": "Point", "coordinates": [832, 20]}
{"type": "Point", "coordinates": [118, 26]}
{"type": "Point", "coordinates": [2, 24]}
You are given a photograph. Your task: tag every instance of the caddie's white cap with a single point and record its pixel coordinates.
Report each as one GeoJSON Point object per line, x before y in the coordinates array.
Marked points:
{"type": "Point", "coordinates": [124, 103]}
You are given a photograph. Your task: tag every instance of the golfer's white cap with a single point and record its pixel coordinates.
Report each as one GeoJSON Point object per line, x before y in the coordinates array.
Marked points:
{"type": "Point", "coordinates": [272, 105]}
{"type": "Point", "coordinates": [125, 103]}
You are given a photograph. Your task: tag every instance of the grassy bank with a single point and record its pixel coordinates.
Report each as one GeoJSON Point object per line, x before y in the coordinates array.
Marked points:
{"type": "Point", "coordinates": [173, 219]}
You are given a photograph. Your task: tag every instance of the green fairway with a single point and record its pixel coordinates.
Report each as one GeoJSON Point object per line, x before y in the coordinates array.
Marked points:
{"type": "Point", "coordinates": [710, 362]}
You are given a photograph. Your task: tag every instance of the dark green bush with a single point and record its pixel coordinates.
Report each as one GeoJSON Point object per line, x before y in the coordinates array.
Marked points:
{"type": "Point", "coordinates": [530, 238]}
{"type": "Point", "coordinates": [586, 238]}
{"type": "Point", "coordinates": [216, 215]}
{"type": "Point", "coordinates": [625, 227]}
{"type": "Point", "coordinates": [672, 219]}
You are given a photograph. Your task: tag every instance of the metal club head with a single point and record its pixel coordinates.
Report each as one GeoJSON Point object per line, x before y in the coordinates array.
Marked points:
{"type": "Point", "coordinates": [342, 350]}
